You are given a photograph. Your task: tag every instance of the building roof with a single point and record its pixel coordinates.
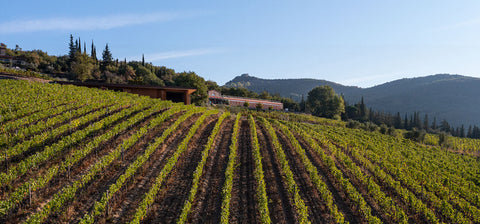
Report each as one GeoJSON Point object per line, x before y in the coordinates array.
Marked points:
{"type": "Point", "coordinates": [96, 84]}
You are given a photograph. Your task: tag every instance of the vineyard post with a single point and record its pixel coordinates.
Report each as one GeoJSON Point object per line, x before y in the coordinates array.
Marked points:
{"type": "Point", "coordinates": [30, 194]}
{"type": "Point", "coordinates": [6, 162]}
{"type": "Point", "coordinates": [106, 210]}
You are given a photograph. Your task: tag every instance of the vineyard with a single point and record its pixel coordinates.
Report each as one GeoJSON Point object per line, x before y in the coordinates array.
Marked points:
{"type": "Point", "coordinates": [77, 155]}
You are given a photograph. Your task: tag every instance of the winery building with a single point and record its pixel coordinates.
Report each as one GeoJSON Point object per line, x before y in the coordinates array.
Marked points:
{"type": "Point", "coordinates": [174, 94]}
{"type": "Point", "coordinates": [215, 97]}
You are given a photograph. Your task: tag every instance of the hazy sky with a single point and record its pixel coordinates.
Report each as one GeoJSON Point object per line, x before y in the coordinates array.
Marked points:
{"type": "Point", "coordinates": [362, 43]}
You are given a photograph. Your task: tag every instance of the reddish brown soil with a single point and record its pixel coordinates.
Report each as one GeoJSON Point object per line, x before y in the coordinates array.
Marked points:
{"type": "Point", "coordinates": [59, 157]}
{"type": "Point", "coordinates": [170, 200]}
{"type": "Point", "coordinates": [207, 205]}
{"type": "Point", "coordinates": [343, 202]}
{"type": "Point", "coordinates": [52, 140]}
{"type": "Point", "coordinates": [243, 206]}
{"type": "Point", "coordinates": [95, 190]}
{"type": "Point", "coordinates": [317, 209]}
{"type": "Point", "coordinates": [63, 179]}
{"type": "Point", "coordinates": [413, 216]}
{"type": "Point", "coordinates": [125, 202]}
{"type": "Point", "coordinates": [34, 111]}
{"type": "Point", "coordinates": [72, 108]}
{"type": "Point", "coordinates": [361, 188]}
{"type": "Point", "coordinates": [419, 195]}
{"type": "Point", "coordinates": [280, 206]}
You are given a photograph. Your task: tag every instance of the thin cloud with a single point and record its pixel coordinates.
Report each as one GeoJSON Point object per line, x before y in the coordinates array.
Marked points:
{"type": "Point", "coordinates": [361, 81]}
{"type": "Point", "coordinates": [181, 54]}
{"type": "Point", "coordinates": [463, 24]}
{"type": "Point", "coordinates": [85, 23]}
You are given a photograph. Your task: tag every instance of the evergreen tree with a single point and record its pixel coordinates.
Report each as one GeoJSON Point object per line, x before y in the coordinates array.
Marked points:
{"type": "Point", "coordinates": [444, 126]}
{"type": "Point", "coordinates": [84, 48]}
{"type": "Point", "coordinates": [426, 125]}
{"type": "Point", "coordinates": [470, 133]}
{"type": "Point", "coordinates": [79, 46]}
{"type": "Point", "coordinates": [362, 111]}
{"type": "Point", "coordinates": [107, 58]}
{"type": "Point", "coordinates": [462, 132]}
{"type": "Point", "coordinates": [72, 48]}
{"type": "Point", "coordinates": [397, 121]}
{"type": "Point", "coordinates": [411, 124]}
{"type": "Point", "coordinates": [434, 123]}
{"type": "Point", "coordinates": [302, 104]}
{"type": "Point", "coordinates": [405, 125]}
{"type": "Point", "coordinates": [143, 60]}
{"type": "Point", "coordinates": [94, 52]}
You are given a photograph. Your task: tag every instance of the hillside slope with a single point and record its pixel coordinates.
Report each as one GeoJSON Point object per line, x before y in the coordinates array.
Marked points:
{"type": "Point", "coordinates": [451, 97]}
{"type": "Point", "coordinates": [78, 155]}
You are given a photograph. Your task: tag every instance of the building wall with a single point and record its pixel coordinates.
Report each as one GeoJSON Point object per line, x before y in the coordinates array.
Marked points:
{"type": "Point", "coordinates": [240, 101]}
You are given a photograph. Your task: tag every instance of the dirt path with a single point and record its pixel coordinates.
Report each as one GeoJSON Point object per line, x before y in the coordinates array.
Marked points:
{"type": "Point", "coordinates": [317, 209]}
{"type": "Point", "coordinates": [63, 179]}
{"type": "Point", "coordinates": [125, 202]}
{"type": "Point", "coordinates": [93, 191]}
{"type": "Point", "coordinates": [281, 208]}
{"type": "Point", "coordinates": [206, 207]}
{"type": "Point", "coordinates": [243, 207]}
{"type": "Point", "coordinates": [12, 161]}
{"type": "Point", "coordinates": [41, 168]}
{"type": "Point", "coordinates": [169, 202]}
{"type": "Point", "coordinates": [413, 216]}
{"type": "Point", "coordinates": [342, 200]}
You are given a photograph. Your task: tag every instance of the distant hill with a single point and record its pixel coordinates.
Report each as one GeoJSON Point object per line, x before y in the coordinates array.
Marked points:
{"type": "Point", "coordinates": [452, 97]}
{"type": "Point", "coordinates": [291, 88]}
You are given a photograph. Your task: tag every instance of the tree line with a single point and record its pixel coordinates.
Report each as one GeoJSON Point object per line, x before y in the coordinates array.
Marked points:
{"type": "Point", "coordinates": [323, 102]}
{"type": "Point", "coordinates": [81, 64]}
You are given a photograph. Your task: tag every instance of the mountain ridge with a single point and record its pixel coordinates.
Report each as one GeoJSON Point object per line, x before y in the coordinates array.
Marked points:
{"type": "Point", "coordinates": [444, 96]}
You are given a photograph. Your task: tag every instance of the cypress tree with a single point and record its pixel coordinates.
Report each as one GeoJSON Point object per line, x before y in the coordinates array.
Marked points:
{"type": "Point", "coordinates": [76, 46]}
{"type": "Point", "coordinates": [302, 104]}
{"type": "Point", "coordinates": [143, 60]}
{"type": "Point", "coordinates": [426, 126]}
{"type": "Point", "coordinates": [94, 52]}
{"type": "Point", "coordinates": [397, 121]}
{"type": "Point", "coordinates": [434, 123]}
{"type": "Point", "coordinates": [72, 48]}
{"type": "Point", "coordinates": [84, 48]}
{"type": "Point", "coordinates": [405, 125]}
{"type": "Point", "coordinates": [462, 131]}
{"type": "Point", "coordinates": [79, 46]}
{"type": "Point", "coordinates": [362, 110]}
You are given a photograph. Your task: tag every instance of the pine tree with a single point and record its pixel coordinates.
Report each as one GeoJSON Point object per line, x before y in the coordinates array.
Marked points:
{"type": "Point", "coordinates": [143, 60]}
{"type": "Point", "coordinates": [84, 48]}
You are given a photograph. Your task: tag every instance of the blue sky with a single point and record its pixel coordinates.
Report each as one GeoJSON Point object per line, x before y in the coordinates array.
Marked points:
{"type": "Point", "coordinates": [361, 43]}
